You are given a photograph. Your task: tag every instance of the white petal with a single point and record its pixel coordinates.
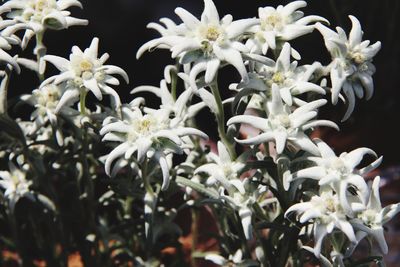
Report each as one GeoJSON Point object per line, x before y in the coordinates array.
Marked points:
{"type": "Point", "coordinates": [71, 95]}
{"type": "Point", "coordinates": [265, 137]}
{"type": "Point", "coordinates": [93, 87]}
{"type": "Point", "coordinates": [356, 33]}
{"type": "Point", "coordinates": [211, 70]}
{"type": "Point", "coordinates": [257, 122]}
{"type": "Point", "coordinates": [190, 21]}
{"type": "Point", "coordinates": [210, 13]}
{"type": "Point", "coordinates": [280, 140]}
{"type": "Point", "coordinates": [60, 63]}
{"type": "Point", "coordinates": [115, 153]}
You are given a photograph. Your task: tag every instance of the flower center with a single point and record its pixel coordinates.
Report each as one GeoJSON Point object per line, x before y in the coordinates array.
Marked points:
{"type": "Point", "coordinates": [273, 21]}
{"type": "Point", "coordinates": [358, 58]}
{"type": "Point", "coordinates": [212, 33]}
{"type": "Point", "coordinates": [41, 5]}
{"type": "Point", "coordinates": [278, 78]}
{"type": "Point", "coordinates": [48, 96]}
{"type": "Point", "coordinates": [368, 216]}
{"type": "Point", "coordinates": [281, 120]}
{"type": "Point", "coordinates": [339, 166]}
{"type": "Point", "coordinates": [85, 65]}
{"type": "Point", "coordinates": [330, 205]}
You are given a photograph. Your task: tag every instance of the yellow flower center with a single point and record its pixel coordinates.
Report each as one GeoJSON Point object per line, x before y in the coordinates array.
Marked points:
{"type": "Point", "coordinates": [282, 120]}
{"type": "Point", "coordinates": [358, 58]}
{"type": "Point", "coordinates": [212, 33]}
{"type": "Point", "coordinates": [278, 78]}
{"type": "Point", "coordinates": [85, 65]}
{"type": "Point", "coordinates": [273, 21]}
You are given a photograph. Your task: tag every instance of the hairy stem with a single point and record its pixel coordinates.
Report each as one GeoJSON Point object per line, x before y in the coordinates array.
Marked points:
{"type": "Point", "coordinates": [221, 121]}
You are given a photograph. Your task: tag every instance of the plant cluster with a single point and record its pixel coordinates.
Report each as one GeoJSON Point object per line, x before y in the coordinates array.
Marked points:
{"type": "Point", "coordinates": [109, 179]}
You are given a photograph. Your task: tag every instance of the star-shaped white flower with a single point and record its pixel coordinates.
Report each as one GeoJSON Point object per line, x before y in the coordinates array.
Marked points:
{"type": "Point", "coordinates": [180, 107]}
{"type": "Point", "coordinates": [223, 170]}
{"type": "Point", "coordinates": [340, 172]}
{"type": "Point", "coordinates": [373, 217]}
{"type": "Point", "coordinates": [7, 39]}
{"type": "Point", "coordinates": [151, 135]}
{"type": "Point", "coordinates": [38, 15]}
{"type": "Point", "coordinates": [283, 126]}
{"type": "Point", "coordinates": [15, 184]}
{"type": "Point", "coordinates": [45, 100]}
{"type": "Point", "coordinates": [234, 260]}
{"type": "Point", "coordinates": [351, 69]}
{"type": "Point", "coordinates": [326, 214]}
{"type": "Point", "coordinates": [207, 43]}
{"type": "Point", "coordinates": [85, 71]}
{"type": "Point", "coordinates": [292, 80]}
{"type": "Point", "coordinates": [284, 23]}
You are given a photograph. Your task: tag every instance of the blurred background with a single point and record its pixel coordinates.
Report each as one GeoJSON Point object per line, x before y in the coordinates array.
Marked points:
{"type": "Point", "coordinates": [121, 27]}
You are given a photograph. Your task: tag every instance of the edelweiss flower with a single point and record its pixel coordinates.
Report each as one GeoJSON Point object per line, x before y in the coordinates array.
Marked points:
{"type": "Point", "coordinates": [6, 40]}
{"type": "Point", "coordinates": [284, 23]}
{"type": "Point", "coordinates": [223, 170]}
{"type": "Point", "coordinates": [352, 68]}
{"type": "Point", "coordinates": [290, 79]}
{"type": "Point", "coordinates": [233, 260]}
{"type": "Point", "coordinates": [283, 126]}
{"type": "Point", "coordinates": [38, 15]}
{"type": "Point", "coordinates": [152, 135]}
{"type": "Point", "coordinates": [243, 202]}
{"type": "Point", "coordinates": [45, 100]}
{"type": "Point", "coordinates": [15, 184]}
{"type": "Point", "coordinates": [83, 72]}
{"type": "Point", "coordinates": [327, 214]}
{"type": "Point", "coordinates": [373, 217]}
{"type": "Point", "coordinates": [207, 42]}
{"type": "Point", "coordinates": [179, 106]}
{"type": "Point", "coordinates": [340, 172]}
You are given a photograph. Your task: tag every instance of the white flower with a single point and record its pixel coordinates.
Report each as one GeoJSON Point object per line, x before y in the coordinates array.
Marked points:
{"type": "Point", "coordinates": [85, 71]}
{"type": "Point", "coordinates": [15, 184]}
{"type": "Point", "coordinates": [223, 170]}
{"type": "Point", "coordinates": [340, 172]}
{"type": "Point", "coordinates": [287, 76]}
{"type": "Point", "coordinates": [176, 105]}
{"type": "Point", "coordinates": [284, 23]}
{"type": "Point", "coordinates": [283, 126]}
{"type": "Point", "coordinates": [233, 260]}
{"type": "Point", "coordinates": [45, 100]}
{"type": "Point", "coordinates": [327, 214]}
{"type": "Point", "coordinates": [351, 68]}
{"type": "Point", "coordinates": [6, 40]}
{"type": "Point", "coordinates": [152, 135]}
{"type": "Point", "coordinates": [207, 43]}
{"type": "Point", "coordinates": [38, 15]}
{"type": "Point", "coordinates": [373, 217]}
{"type": "Point", "coordinates": [224, 173]}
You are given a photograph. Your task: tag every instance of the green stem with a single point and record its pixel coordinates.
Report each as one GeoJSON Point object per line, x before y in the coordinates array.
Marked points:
{"type": "Point", "coordinates": [221, 121]}
{"type": "Point", "coordinates": [195, 231]}
{"type": "Point", "coordinates": [4, 90]}
{"type": "Point", "coordinates": [40, 51]}
{"type": "Point", "coordinates": [82, 102]}
{"type": "Point", "coordinates": [174, 80]}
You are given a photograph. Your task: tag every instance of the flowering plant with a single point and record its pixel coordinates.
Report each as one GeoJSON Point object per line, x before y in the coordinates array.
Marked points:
{"type": "Point", "coordinates": [110, 179]}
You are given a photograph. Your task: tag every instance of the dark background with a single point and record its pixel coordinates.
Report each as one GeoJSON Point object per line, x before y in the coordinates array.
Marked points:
{"type": "Point", "coordinates": [121, 27]}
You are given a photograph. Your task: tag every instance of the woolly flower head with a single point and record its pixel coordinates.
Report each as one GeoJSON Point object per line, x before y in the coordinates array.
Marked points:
{"type": "Point", "coordinates": [352, 68]}
{"type": "Point", "coordinates": [15, 184]}
{"type": "Point", "coordinates": [151, 135]}
{"type": "Point", "coordinates": [207, 43]}
{"type": "Point", "coordinates": [283, 23]}
{"type": "Point", "coordinates": [85, 71]}
{"type": "Point", "coordinates": [38, 15]}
